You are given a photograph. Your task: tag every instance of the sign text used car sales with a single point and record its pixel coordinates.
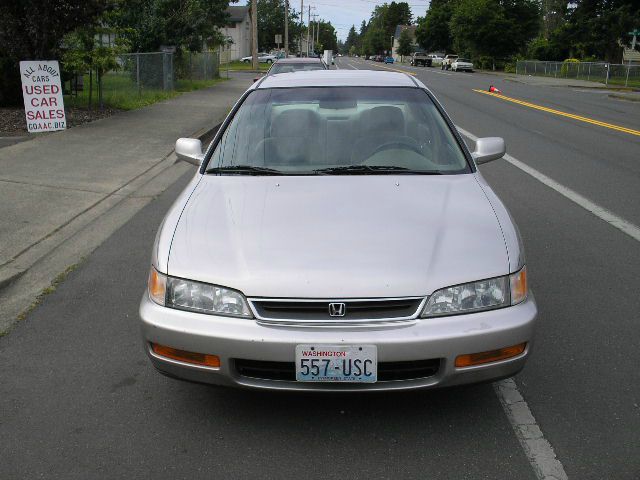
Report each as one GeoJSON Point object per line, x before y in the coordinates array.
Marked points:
{"type": "Point", "coordinates": [42, 93]}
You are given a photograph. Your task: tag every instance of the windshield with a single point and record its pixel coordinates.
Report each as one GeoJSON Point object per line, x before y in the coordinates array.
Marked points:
{"type": "Point", "coordinates": [338, 130]}
{"type": "Point", "coordinates": [463, 60]}
{"type": "Point", "coordinates": [295, 67]}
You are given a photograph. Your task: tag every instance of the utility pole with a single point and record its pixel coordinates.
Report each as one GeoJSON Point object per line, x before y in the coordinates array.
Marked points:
{"type": "Point", "coordinates": [254, 33]}
{"type": "Point", "coordinates": [316, 32]}
{"type": "Point", "coordinates": [301, 27]}
{"type": "Point", "coordinates": [308, 29]}
{"type": "Point", "coordinates": [286, 28]}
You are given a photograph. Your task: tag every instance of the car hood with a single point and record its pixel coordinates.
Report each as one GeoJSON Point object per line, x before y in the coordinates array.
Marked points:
{"type": "Point", "coordinates": [338, 236]}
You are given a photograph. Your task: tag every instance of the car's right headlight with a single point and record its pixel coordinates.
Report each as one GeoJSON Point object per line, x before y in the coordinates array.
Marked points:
{"type": "Point", "coordinates": [198, 297]}
{"type": "Point", "coordinates": [478, 296]}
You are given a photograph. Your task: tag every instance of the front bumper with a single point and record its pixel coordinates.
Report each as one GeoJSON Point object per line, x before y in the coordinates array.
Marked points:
{"type": "Point", "coordinates": [442, 338]}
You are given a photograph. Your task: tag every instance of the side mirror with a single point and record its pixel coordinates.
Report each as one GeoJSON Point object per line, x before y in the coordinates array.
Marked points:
{"type": "Point", "coordinates": [189, 150]}
{"type": "Point", "coordinates": [489, 148]}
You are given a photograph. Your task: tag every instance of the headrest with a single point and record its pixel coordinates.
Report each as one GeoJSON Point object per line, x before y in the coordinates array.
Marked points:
{"type": "Point", "coordinates": [382, 119]}
{"type": "Point", "coordinates": [295, 123]}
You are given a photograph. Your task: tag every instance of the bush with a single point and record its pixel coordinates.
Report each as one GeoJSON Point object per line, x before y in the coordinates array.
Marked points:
{"type": "Point", "coordinates": [566, 66]}
{"type": "Point", "coordinates": [510, 67]}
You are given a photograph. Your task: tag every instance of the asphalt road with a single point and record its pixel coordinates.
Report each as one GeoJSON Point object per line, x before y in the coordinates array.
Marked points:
{"type": "Point", "coordinates": [78, 398]}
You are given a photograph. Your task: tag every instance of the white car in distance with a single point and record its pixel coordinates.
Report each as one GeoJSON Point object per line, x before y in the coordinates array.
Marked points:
{"type": "Point", "coordinates": [262, 58]}
{"type": "Point", "coordinates": [461, 64]}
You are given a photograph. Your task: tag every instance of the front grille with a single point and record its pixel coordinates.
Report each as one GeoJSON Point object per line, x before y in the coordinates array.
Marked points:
{"type": "Point", "coordinates": [309, 310]}
{"type": "Point", "coordinates": [387, 371]}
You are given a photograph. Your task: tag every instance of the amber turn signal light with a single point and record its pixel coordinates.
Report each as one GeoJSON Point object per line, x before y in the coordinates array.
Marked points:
{"type": "Point", "coordinates": [186, 357]}
{"type": "Point", "coordinates": [471, 359]}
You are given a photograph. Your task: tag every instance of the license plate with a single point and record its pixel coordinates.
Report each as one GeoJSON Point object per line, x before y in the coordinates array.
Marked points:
{"type": "Point", "coordinates": [337, 363]}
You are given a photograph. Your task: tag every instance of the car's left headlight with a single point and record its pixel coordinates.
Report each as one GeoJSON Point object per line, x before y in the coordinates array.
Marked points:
{"type": "Point", "coordinates": [477, 296]}
{"type": "Point", "coordinates": [196, 296]}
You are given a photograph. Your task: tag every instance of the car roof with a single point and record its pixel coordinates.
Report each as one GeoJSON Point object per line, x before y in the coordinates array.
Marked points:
{"type": "Point", "coordinates": [338, 78]}
{"type": "Point", "coordinates": [299, 60]}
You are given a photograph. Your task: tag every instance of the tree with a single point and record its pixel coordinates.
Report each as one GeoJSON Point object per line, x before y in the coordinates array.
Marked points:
{"type": "Point", "coordinates": [84, 52]}
{"type": "Point", "coordinates": [271, 23]}
{"type": "Point", "coordinates": [33, 30]}
{"type": "Point", "coordinates": [186, 24]}
{"type": "Point", "coordinates": [405, 44]}
{"type": "Point", "coordinates": [594, 27]}
{"type": "Point", "coordinates": [352, 39]}
{"type": "Point", "coordinates": [433, 32]}
{"type": "Point", "coordinates": [494, 28]}
{"type": "Point", "coordinates": [398, 13]}
{"type": "Point", "coordinates": [327, 37]}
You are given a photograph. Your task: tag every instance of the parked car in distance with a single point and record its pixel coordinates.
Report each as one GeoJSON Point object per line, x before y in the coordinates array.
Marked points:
{"type": "Point", "coordinates": [262, 58]}
{"type": "Point", "coordinates": [462, 65]}
{"type": "Point", "coordinates": [447, 61]}
{"type": "Point", "coordinates": [436, 59]}
{"type": "Point", "coordinates": [388, 59]}
{"type": "Point", "coordinates": [379, 260]}
{"type": "Point", "coordinates": [420, 59]}
{"type": "Point", "coordinates": [296, 64]}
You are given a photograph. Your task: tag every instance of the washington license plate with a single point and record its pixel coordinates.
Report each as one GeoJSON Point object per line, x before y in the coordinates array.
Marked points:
{"type": "Point", "coordinates": [337, 363]}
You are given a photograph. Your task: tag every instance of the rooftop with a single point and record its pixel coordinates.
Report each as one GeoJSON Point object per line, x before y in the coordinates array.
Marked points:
{"type": "Point", "coordinates": [299, 60]}
{"type": "Point", "coordinates": [237, 14]}
{"type": "Point", "coordinates": [337, 78]}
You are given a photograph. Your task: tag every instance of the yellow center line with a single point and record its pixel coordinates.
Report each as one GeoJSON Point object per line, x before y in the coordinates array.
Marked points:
{"type": "Point", "coordinates": [396, 70]}
{"type": "Point", "coordinates": [563, 114]}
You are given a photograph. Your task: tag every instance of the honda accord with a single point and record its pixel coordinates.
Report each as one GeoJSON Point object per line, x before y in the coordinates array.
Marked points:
{"type": "Point", "coordinates": [338, 236]}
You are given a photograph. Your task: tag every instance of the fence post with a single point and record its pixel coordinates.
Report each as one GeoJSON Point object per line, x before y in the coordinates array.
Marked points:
{"type": "Point", "coordinates": [606, 81]}
{"type": "Point", "coordinates": [589, 72]}
{"type": "Point", "coordinates": [516, 67]}
{"type": "Point", "coordinates": [626, 82]}
{"type": "Point", "coordinates": [138, 75]}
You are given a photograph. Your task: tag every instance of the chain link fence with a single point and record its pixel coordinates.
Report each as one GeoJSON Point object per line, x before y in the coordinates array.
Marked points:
{"type": "Point", "coordinates": [607, 73]}
{"type": "Point", "coordinates": [143, 78]}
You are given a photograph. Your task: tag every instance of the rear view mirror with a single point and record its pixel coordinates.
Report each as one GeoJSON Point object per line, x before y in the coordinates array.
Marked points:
{"type": "Point", "coordinates": [488, 149]}
{"type": "Point", "coordinates": [189, 150]}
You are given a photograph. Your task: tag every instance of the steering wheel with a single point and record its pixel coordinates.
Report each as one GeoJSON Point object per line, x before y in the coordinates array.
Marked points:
{"type": "Point", "coordinates": [394, 144]}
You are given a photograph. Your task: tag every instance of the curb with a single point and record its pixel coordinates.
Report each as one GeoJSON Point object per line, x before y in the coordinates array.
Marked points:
{"type": "Point", "coordinates": [11, 271]}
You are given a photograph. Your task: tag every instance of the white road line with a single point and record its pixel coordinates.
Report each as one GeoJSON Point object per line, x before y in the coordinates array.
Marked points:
{"type": "Point", "coordinates": [538, 450]}
{"type": "Point", "coordinates": [602, 213]}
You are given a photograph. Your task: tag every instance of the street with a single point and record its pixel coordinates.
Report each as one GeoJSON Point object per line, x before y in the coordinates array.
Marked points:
{"type": "Point", "coordinates": [79, 398]}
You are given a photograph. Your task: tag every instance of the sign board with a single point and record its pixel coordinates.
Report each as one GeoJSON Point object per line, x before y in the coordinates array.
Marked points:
{"type": "Point", "coordinates": [279, 38]}
{"type": "Point", "coordinates": [42, 93]}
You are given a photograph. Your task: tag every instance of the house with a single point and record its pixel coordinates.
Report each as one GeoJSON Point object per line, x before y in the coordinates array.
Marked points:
{"type": "Point", "coordinates": [630, 56]}
{"type": "Point", "coordinates": [396, 39]}
{"type": "Point", "coordinates": [237, 31]}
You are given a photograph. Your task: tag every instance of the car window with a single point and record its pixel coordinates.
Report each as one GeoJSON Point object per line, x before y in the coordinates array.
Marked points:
{"type": "Point", "coordinates": [315, 130]}
{"type": "Point", "coordinates": [295, 67]}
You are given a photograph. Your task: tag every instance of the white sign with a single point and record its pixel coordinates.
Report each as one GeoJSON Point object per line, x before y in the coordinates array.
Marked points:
{"type": "Point", "coordinates": [42, 93]}
{"type": "Point", "coordinates": [278, 38]}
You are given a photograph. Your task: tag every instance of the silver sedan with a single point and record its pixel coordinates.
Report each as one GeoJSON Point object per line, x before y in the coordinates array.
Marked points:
{"type": "Point", "coordinates": [338, 236]}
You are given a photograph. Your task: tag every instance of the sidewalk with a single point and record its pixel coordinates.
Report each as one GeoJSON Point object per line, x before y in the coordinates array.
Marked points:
{"type": "Point", "coordinates": [68, 178]}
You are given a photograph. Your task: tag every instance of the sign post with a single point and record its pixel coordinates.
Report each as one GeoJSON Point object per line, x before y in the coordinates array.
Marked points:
{"type": "Point", "coordinates": [42, 94]}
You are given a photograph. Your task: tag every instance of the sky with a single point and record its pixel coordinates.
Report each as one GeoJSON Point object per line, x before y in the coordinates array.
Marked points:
{"type": "Point", "coordinates": [344, 13]}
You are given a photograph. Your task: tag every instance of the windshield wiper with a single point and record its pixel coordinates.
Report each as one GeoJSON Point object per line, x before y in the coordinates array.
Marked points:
{"type": "Point", "coordinates": [244, 170]}
{"type": "Point", "coordinates": [373, 170]}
